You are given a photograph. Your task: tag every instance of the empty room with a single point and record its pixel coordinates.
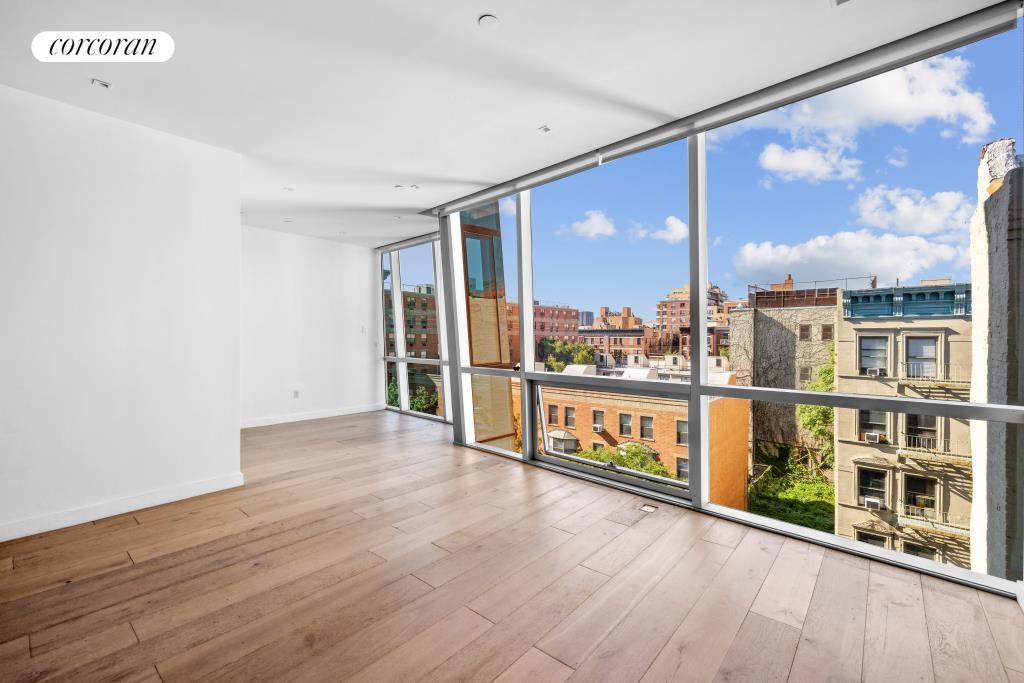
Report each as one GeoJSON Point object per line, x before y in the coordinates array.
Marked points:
{"type": "Point", "coordinates": [512, 341]}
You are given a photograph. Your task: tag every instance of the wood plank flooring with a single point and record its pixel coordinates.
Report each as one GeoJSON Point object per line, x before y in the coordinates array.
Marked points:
{"type": "Point", "coordinates": [368, 548]}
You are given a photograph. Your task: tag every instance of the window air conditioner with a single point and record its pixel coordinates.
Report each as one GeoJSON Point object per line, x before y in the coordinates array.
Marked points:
{"type": "Point", "coordinates": [876, 372]}
{"type": "Point", "coordinates": [871, 437]}
{"type": "Point", "coordinates": [598, 428]}
{"type": "Point", "coordinates": [872, 503]}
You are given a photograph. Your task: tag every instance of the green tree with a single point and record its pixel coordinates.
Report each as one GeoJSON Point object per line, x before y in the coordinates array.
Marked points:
{"type": "Point", "coordinates": [423, 401]}
{"type": "Point", "coordinates": [634, 456]}
{"type": "Point", "coordinates": [819, 421]}
{"type": "Point", "coordinates": [393, 393]}
{"type": "Point", "coordinates": [557, 353]}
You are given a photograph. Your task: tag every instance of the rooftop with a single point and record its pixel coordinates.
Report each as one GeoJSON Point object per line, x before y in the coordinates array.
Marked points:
{"type": "Point", "coordinates": [933, 300]}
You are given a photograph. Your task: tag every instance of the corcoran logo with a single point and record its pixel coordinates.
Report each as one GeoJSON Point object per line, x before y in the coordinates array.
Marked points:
{"type": "Point", "coordinates": [102, 46]}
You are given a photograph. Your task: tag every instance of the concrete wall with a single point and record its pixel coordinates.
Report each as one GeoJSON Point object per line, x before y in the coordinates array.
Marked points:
{"type": "Point", "coordinates": [997, 266]}
{"type": "Point", "coordinates": [119, 293]}
{"type": "Point", "coordinates": [310, 313]}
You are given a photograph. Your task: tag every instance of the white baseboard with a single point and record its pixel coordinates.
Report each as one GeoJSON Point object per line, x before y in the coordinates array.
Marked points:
{"type": "Point", "coordinates": [108, 508]}
{"type": "Point", "coordinates": [311, 415]}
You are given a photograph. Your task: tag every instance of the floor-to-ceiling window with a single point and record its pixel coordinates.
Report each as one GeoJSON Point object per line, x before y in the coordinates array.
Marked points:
{"type": "Point", "coordinates": [808, 318]}
{"type": "Point", "coordinates": [416, 367]}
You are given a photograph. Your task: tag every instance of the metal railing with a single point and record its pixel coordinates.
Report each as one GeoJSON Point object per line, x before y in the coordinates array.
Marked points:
{"type": "Point", "coordinates": [954, 449]}
{"type": "Point", "coordinates": [930, 372]}
{"type": "Point", "coordinates": [921, 513]}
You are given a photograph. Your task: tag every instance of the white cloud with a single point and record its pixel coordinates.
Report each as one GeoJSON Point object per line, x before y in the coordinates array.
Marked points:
{"type": "Point", "coordinates": [507, 206]}
{"type": "Point", "coordinates": [717, 241]}
{"type": "Point", "coordinates": [824, 129]}
{"type": "Point", "coordinates": [766, 183]}
{"type": "Point", "coordinates": [844, 254]}
{"type": "Point", "coordinates": [594, 225]}
{"type": "Point", "coordinates": [811, 164]}
{"type": "Point", "coordinates": [675, 231]}
{"type": "Point", "coordinates": [911, 211]}
{"type": "Point", "coordinates": [898, 157]}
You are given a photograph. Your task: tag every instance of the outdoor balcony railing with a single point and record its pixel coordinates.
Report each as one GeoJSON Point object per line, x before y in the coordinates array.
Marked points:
{"type": "Point", "coordinates": [928, 372]}
{"type": "Point", "coordinates": [921, 513]}
{"type": "Point", "coordinates": [949, 450]}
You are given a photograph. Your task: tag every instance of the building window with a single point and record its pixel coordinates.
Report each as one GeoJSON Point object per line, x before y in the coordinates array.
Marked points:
{"type": "Point", "coordinates": [921, 357]}
{"type": "Point", "coordinates": [683, 470]}
{"type": "Point", "coordinates": [922, 432]}
{"type": "Point", "coordinates": [805, 373]}
{"type": "Point", "coordinates": [570, 417]}
{"type": "Point", "coordinates": [625, 425]}
{"type": "Point", "coordinates": [918, 550]}
{"type": "Point", "coordinates": [826, 333]}
{"type": "Point", "coordinates": [871, 539]}
{"type": "Point", "coordinates": [682, 433]}
{"type": "Point", "coordinates": [552, 415]}
{"type": "Point", "coordinates": [646, 427]}
{"type": "Point", "coordinates": [873, 354]}
{"type": "Point", "coordinates": [596, 446]}
{"type": "Point", "coordinates": [871, 488]}
{"type": "Point", "coordinates": [805, 333]}
{"type": "Point", "coordinates": [563, 445]}
{"type": "Point", "coordinates": [919, 496]}
{"type": "Point", "coordinates": [598, 420]}
{"type": "Point", "coordinates": [872, 426]}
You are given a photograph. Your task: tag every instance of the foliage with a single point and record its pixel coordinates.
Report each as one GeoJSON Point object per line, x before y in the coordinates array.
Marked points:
{"type": "Point", "coordinates": [807, 501]}
{"type": "Point", "coordinates": [557, 353]}
{"type": "Point", "coordinates": [517, 438]}
{"type": "Point", "coordinates": [423, 401]}
{"type": "Point", "coordinates": [723, 351]}
{"type": "Point", "coordinates": [393, 393]}
{"type": "Point", "coordinates": [634, 456]}
{"type": "Point", "coordinates": [819, 421]}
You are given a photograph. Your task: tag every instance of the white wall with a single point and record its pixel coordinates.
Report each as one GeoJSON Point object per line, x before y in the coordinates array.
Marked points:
{"type": "Point", "coordinates": [118, 316]}
{"type": "Point", "coordinates": [310, 318]}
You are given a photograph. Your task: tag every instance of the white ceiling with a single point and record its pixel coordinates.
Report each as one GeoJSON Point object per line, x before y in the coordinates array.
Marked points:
{"type": "Point", "coordinates": [343, 100]}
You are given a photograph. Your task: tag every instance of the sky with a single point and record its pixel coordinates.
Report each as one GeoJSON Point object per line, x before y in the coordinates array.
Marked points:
{"type": "Point", "coordinates": [876, 178]}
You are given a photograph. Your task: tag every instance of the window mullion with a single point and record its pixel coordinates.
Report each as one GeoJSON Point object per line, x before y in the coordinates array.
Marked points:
{"type": "Point", "coordinates": [697, 407]}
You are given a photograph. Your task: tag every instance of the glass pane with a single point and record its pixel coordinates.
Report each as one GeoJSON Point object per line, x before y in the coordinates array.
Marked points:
{"type": "Point", "coordinates": [425, 389]}
{"type": "Point", "coordinates": [816, 467]}
{"type": "Point", "coordinates": [610, 270]}
{"type": "Point", "coordinates": [419, 301]}
{"type": "Point", "coordinates": [389, 311]}
{"type": "Point", "coordinates": [637, 435]}
{"type": "Point", "coordinates": [496, 419]}
{"type": "Point", "coordinates": [391, 389]}
{"type": "Point", "coordinates": [871, 231]}
{"type": "Point", "coordinates": [489, 251]}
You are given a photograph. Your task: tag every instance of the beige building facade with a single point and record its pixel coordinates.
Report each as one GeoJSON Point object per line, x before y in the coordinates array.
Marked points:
{"type": "Point", "coordinates": [904, 481]}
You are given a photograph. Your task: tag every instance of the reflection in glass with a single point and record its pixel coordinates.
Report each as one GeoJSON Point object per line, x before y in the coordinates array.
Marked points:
{"type": "Point", "coordinates": [496, 412]}
{"type": "Point", "coordinates": [419, 301]}
{"type": "Point", "coordinates": [489, 254]}
{"type": "Point", "coordinates": [425, 389]}
{"type": "Point", "coordinates": [389, 311]}
{"type": "Point", "coordinates": [391, 389]}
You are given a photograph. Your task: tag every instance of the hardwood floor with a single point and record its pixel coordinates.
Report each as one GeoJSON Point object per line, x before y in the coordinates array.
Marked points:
{"type": "Point", "coordinates": [368, 548]}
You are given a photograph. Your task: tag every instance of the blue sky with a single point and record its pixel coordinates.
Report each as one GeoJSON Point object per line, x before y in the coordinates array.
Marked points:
{"type": "Point", "coordinates": [875, 178]}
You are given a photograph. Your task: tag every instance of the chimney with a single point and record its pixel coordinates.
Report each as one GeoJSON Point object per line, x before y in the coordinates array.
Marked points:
{"type": "Point", "coordinates": [604, 311]}
{"type": "Point", "coordinates": [627, 312]}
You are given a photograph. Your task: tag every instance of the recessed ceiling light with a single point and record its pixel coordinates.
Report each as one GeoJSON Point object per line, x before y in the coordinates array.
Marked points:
{"type": "Point", "coordinates": [288, 189]}
{"type": "Point", "coordinates": [101, 84]}
{"type": "Point", "coordinates": [544, 129]}
{"type": "Point", "coordinates": [414, 187]}
{"type": "Point", "coordinates": [398, 217]}
{"type": "Point", "coordinates": [398, 187]}
{"type": "Point", "coordinates": [288, 220]}
{"type": "Point", "coordinates": [487, 20]}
